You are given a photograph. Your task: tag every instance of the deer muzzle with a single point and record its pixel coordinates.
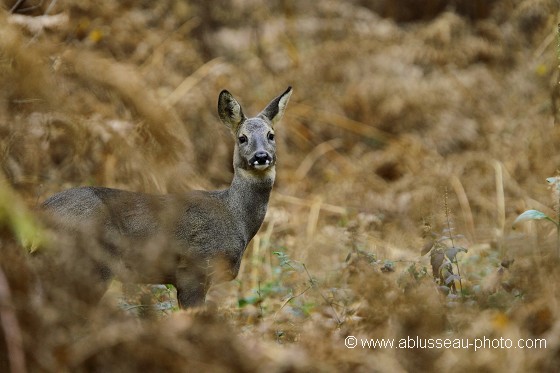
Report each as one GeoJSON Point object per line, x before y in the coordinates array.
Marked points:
{"type": "Point", "coordinates": [261, 160]}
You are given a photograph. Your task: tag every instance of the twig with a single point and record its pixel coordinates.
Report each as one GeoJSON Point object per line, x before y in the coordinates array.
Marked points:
{"type": "Point", "coordinates": [51, 6]}
{"type": "Point", "coordinates": [314, 155]}
{"type": "Point", "coordinates": [16, 6]}
{"type": "Point", "coordinates": [465, 205]}
{"type": "Point", "coordinates": [500, 200]}
{"type": "Point", "coordinates": [558, 225]}
{"type": "Point", "coordinates": [32, 7]}
{"type": "Point", "coordinates": [341, 121]}
{"type": "Point", "coordinates": [138, 306]}
{"type": "Point", "coordinates": [190, 81]}
{"type": "Point", "coordinates": [312, 283]}
{"type": "Point", "coordinates": [304, 202]}
{"type": "Point", "coordinates": [556, 193]}
{"type": "Point", "coordinates": [260, 300]}
{"type": "Point", "coordinates": [290, 298]}
{"type": "Point", "coordinates": [313, 218]}
{"type": "Point", "coordinates": [448, 220]}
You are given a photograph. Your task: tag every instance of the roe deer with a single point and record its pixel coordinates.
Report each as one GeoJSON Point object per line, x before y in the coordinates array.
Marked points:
{"type": "Point", "coordinates": [188, 240]}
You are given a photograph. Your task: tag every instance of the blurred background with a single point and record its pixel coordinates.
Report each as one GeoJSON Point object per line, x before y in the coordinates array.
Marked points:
{"type": "Point", "coordinates": [407, 118]}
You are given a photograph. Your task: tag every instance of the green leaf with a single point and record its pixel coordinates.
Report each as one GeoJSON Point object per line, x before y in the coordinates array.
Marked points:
{"type": "Point", "coordinates": [553, 180]}
{"type": "Point", "coordinates": [532, 215]}
{"type": "Point", "coordinates": [251, 299]}
{"type": "Point", "coordinates": [22, 224]}
{"type": "Point", "coordinates": [452, 278]}
{"type": "Point", "coordinates": [452, 252]}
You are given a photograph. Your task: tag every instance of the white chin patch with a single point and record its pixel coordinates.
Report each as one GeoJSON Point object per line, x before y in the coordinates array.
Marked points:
{"type": "Point", "coordinates": [261, 167]}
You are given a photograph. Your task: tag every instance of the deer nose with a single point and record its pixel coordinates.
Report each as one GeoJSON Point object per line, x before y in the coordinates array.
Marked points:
{"type": "Point", "coordinates": [262, 157]}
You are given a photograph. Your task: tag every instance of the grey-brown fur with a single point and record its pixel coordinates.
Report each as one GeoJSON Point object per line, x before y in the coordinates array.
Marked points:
{"type": "Point", "coordinates": [187, 240]}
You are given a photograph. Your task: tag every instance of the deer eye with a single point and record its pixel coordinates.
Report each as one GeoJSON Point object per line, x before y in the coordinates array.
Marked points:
{"type": "Point", "coordinates": [242, 139]}
{"type": "Point", "coordinates": [270, 136]}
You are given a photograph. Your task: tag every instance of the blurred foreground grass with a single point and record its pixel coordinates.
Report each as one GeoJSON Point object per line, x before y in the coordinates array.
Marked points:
{"type": "Point", "coordinates": [393, 106]}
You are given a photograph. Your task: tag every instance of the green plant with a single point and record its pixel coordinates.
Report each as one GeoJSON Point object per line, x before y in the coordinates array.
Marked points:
{"type": "Point", "coordinates": [274, 286]}
{"type": "Point", "coordinates": [554, 183]}
{"type": "Point", "coordinates": [312, 283]}
{"type": "Point", "coordinates": [17, 218]}
{"type": "Point", "coordinates": [277, 286]}
{"type": "Point", "coordinates": [258, 295]}
{"type": "Point", "coordinates": [443, 251]}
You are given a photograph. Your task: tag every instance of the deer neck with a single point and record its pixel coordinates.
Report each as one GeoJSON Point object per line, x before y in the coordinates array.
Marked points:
{"type": "Point", "coordinates": [248, 197]}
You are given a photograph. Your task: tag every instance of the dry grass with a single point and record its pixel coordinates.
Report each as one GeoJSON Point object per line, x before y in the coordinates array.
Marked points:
{"type": "Point", "coordinates": [387, 115]}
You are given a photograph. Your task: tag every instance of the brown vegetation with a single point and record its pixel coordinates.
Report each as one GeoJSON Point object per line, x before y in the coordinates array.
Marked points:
{"type": "Point", "coordinates": [404, 122]}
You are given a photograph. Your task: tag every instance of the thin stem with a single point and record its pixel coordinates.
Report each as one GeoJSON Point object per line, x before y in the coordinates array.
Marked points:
{"type": "Point", "coordinates": [448, 220]}
{"type": "Point", "coordinates": [558, 218]}
{"type": "Point", "coordinates": [290, 299]}
{"type": "Point", "coordinates": [558, 239]}
{"type": "Point", "coordinates": [16, 6]}
{"type": "Point", "coordinates": [260, 300]}
{"type": "Point", "coordinates": [312, 283]}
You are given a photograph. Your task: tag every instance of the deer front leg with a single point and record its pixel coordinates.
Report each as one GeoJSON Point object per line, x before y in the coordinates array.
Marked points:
{"type": "Point", "coordinates": [191, 287]}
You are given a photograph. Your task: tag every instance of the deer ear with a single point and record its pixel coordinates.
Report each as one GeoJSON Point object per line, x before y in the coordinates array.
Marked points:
{"type": "Point", "coordinates": [275, 109]}
{"type": "Point", "coordinates": [230, 111]}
